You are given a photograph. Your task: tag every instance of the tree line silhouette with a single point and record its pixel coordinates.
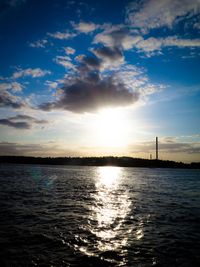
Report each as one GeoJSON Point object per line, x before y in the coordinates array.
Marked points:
{"type": "Point", "coordinates": [99, 161]}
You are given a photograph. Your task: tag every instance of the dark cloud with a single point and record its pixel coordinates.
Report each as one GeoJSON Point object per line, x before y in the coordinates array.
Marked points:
{"type": "Point", "coordinates": [91, 93]}
{"type": "Point", "coordinates": [22, 117]}
{"type": "Point", "coordinates": [16, 149]}
{"type": "Point", "coordinates": [29, 118]}
{"type": "Point", "coordinates": [43, 150]}
{"type": "Point", "coordinates": [89, 64]}
{"type": "Point", "coordinates": [17, 125]}
{"type": "Point", "coordinates": [8, 100]}
{"type": "Point", "coordinates": [118, 36]}
{"type": "Point", "coordinates": [109, 53]}
{"type": "Point", "coordinates": [95, 83]}
{"type": "Point", "coordinates": [89, 90]}
{"type": "Point", "coordinates": [21, 121]}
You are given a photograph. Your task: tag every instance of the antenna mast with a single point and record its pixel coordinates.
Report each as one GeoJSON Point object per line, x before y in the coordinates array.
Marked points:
{"type": "Point", "coordinates": [156, 148]}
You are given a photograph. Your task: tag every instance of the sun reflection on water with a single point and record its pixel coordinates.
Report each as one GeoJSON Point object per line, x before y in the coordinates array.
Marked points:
{"type": "Point", "coordinates": [111, 224]}
{"type": "Point", "coordinates": [108, 176]}
{"type": "Point", "coordinates": [110, 210]}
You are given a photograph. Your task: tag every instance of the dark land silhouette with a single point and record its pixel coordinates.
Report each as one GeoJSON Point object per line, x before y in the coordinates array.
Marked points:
{"type": "Point", "coordinates": [99, 161]}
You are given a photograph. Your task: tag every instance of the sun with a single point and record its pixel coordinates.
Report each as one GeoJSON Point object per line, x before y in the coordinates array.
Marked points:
{"type": "Point", "coordinates": [111, 128]}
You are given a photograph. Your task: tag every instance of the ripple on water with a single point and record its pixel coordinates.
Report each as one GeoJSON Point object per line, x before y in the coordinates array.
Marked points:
{"type": "Point", "coordinates": [99, 216]}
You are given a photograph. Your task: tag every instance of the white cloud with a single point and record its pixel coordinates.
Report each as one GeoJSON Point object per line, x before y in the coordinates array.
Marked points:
{"type": "Point", "coordinates": [16, 87]}
{"type": "Point", "coordinates": [156, 14]}
{"type": "Point", "coordinates": [39, 43]}
{"type": "Point", "coordinates": [34, 73]}
{"type": "Point", "coordinates": [13, 86]}
{"type": "Point", "coordinates": [156, 44]}
{"type": "Point", "coordinates": [136, 79]}
{"type": "Point", "coordinates": [85, 27]}
{"type": "Point", "coordinates": [62, 35]}
{"type": "Point", "coordinates": [174, 41]}
{"type": "Point", "coordinates": [51, 84]}
{"type": "Point", "coordinates": [79, 58]}
{"type": "Point", "coordinates": [64, 61]}
{"type": "Point", "coordinates": [117, 36]}
{"type": "Point", "coordinates": [5, 86]}
{"type": "Point", "coordinates": [69, 50]}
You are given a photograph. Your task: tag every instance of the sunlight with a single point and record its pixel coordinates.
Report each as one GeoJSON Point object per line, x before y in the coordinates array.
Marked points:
{"type": "Point", "coordinates": [110, 209]}
{"type": "Point", "coordinates": [111, 128]}
{"type": "Point", "coordinates": [109, 175]}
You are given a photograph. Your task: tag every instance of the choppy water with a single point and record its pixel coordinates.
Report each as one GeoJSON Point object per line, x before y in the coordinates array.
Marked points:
{"type": "Point", "coordinates": [99, 216]}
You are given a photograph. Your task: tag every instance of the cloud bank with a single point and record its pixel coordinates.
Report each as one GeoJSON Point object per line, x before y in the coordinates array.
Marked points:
{"type": "Point", "coordinates": [34, 73]}
{"type": "Point", "coordinates": [21, 121]}
{"type": "Point", "coordinates": [169, 147]}
{"type": "Point", "coordinates": [117, 36]}
{"type": "Point", "coordinates": [91, 93]}
{"type": "Point", "coordinates": [163, 13]}
{"type": "Point", "coordinates": [9, 100]}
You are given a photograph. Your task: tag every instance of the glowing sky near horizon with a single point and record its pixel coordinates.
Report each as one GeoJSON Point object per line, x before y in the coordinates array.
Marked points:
{"type": "Point", "coordinates": [93, 78]}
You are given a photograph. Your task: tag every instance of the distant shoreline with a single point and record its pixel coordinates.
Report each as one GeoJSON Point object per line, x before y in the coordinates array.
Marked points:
{"type": "Point", "coordinates": [99, 161]}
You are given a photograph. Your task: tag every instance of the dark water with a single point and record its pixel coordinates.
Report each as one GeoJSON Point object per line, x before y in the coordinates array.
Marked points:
{"type": "Point", "coordinates": [99, 216]}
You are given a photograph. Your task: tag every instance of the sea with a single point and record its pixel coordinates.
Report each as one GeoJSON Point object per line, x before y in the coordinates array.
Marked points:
{"type": "Point", "coordinates": [99, 216]}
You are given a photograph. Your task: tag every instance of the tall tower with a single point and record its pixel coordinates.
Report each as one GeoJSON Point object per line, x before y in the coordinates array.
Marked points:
{"type": "Point", "coordinates": [156, 148]}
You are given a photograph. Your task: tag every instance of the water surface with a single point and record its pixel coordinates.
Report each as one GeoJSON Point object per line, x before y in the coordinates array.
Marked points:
{"type": "Point", "coordinates": [99, 216]}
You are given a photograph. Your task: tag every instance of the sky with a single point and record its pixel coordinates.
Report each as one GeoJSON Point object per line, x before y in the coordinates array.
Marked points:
{"type": "Point", "coordinates": [99, 78]}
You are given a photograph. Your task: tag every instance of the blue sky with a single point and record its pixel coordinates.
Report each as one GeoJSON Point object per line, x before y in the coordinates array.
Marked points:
{"type": "Point", "coordinates": [84, 78]}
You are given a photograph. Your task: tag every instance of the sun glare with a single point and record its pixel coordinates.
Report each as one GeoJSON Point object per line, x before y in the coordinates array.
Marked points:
{"type": "Point", "coordinates": [108, 175]}
{"type": "Point", "coordinates": [111, 128]}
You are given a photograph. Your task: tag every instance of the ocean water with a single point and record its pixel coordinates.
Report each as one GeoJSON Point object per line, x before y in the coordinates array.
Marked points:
{"type": "Point", "coordinates": [99, 216]}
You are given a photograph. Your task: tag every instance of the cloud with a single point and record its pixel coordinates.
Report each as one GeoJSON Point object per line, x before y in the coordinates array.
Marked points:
{"type": "Point", "coordinates": [102, 79]}
{"type": "Point", "coordinates": [90, 64]}
{"type": "Point", "coordinates": [109, 53]}
{"type": "Point", "coordinates": [69, 50]}
{"type": "Point", "coordinates": [155, 44]}
{"type": "Point", "coordinates": [117, 36]}
{"type": "Point", "coordinates": [16, 87]}
{"type": "Point", "coordinates": [64, 61]}
{"type": "Point", "coordinates": [168, 146]}
{"type": "Point", "coordinates": [153, 14]}
{"type": "Point", "coordinates": [39, 43]}
{"type": "Point", "coordinates": [17, 149]}
{"type": "Point", "coordinates": [34, 73]}
{"type": "Point", "coordinates": [91, 93]}
{"type": "Point", "coordinates": [99, 81]}
{"type": "Point", "coordinates": [120, 38]}
{"type": "Point", "coordinates": [197, 25]}
{"type": "Point", "coordinates": [21, 121]}
{"type": "Point", "coordinates": [79, 58]}
{"type": "Point", "coordinates": [45, 149]}
{"type": "Point", "coordinates": [85, 27]}
{"type": "Point", "coordinates": [110, 57]}
{"type": "Point", "coordinates": [17, 125]}
{"type": "Point", "coordinates": [9, 100]}
{"type": "Point", "coordinates": [28, 118]}
{"type": "Point", "coordinates": [62, 35]}
{"type": "Point", "coordinates": [52, 84]}
{"type": "Point", "coordinates": [13, 86]}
